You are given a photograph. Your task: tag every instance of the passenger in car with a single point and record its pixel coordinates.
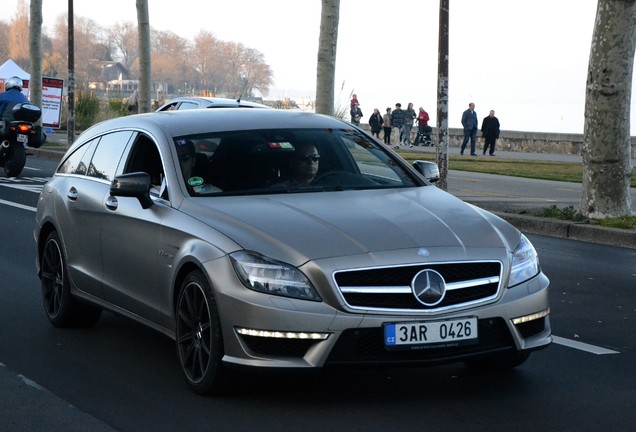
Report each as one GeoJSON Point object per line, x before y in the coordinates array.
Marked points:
{"type": "Point", "coordinates": [304, 166]}
{"type": "Point", "coordinates": [188, 161]}
{"type": "Point", "coordinates": [185, 150]}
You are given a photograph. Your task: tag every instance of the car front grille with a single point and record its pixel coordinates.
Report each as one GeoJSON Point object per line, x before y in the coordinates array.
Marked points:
{"type": "Point", "coordinates": [366, 346]}
{"type": "Point", "coordinates": [389, 288]}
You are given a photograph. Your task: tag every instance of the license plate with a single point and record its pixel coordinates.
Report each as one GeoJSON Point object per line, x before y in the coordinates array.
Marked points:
{"type": "Point", "coordinates": [430, 333]}
{"type": "Point", "coordinates": [23, 138]}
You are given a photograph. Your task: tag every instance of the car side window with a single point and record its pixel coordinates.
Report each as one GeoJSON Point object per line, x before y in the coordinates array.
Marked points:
{"type": "Point", "coordinates": [187, 105]}
{"type": "Point", "coordinates": [108, 154]}
{"type": "Point", "coordinates": [170, 107]}
{"type": "Point", "coordinates": [78, 161]}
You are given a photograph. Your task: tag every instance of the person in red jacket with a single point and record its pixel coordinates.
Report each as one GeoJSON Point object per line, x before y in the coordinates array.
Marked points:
{"type": "Point", "coordinates": [424, 130]}
{"type": "Point", "coordinates": [422, 119]}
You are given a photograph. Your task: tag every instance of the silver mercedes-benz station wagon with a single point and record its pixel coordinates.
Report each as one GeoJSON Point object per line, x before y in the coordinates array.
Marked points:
{"type": "Point", "coordinates": [269, 238]}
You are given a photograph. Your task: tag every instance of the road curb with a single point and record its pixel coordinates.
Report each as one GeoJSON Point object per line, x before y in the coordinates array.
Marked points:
{"type": "Point", "coordinates": [570, 230]}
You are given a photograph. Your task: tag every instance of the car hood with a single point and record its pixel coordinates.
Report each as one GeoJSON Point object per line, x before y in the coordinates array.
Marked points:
{"type": "Point", "coordinates": [306, 226]}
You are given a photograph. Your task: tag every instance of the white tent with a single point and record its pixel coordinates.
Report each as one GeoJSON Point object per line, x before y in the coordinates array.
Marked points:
{"type": "Point", "coordinates": [10, 69]}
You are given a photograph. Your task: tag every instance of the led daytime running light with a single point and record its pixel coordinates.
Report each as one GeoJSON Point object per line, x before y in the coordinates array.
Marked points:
{"type": "Point", "coordinates": [531, 317]}
{"type": "Point", "coordinates": [282, 334]}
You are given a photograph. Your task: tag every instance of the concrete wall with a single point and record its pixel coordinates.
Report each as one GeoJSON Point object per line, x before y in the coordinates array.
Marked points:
{"type": "Point", "coordinates": [530, 142]}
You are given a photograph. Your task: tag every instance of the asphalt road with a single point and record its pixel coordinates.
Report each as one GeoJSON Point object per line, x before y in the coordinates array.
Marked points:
{"type": "Point", "coordinates": [122, 376]}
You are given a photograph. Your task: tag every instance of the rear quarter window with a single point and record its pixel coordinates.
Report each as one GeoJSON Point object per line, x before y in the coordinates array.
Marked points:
{"type": "Point", "coordinates": [78, 161]}
{"type": "Point", "coordinates": [109, 152]}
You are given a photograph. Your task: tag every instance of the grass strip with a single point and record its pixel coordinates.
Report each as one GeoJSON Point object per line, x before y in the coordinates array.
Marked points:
{"type": "Point", "coordinates": [545, 170]}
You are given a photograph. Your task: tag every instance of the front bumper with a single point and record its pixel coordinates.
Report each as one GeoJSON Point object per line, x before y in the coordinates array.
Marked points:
{"type": "Point", "coordinates": [351, 337]}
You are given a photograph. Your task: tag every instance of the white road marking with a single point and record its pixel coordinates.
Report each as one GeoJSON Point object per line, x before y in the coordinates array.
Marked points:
{"type": "Point", "coordinates": [30, 188]}
{"type": "Point", "coordinates": [30, 184]}
{"type": "Point", "coordinates": [22, 206]}
{"type": "Point", "coordinates": [582, 346]}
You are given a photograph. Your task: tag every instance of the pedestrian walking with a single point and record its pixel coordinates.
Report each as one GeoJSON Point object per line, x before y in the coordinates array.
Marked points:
{"type": "Point", "coordinates": [356, 114]}
{"type": "Point", "coordinates": [490, 131]}
{"type": "Point", "coordinates": [375, 123]}
{"type": "Point", "coordinates": [469, 122]}
{"type": "Point", "coordinates": [423, 129]}
{"type": "Point", "coordinates": [397, 121]}
{"type": "Point", "coordinates": [386, 119]}
{"type": "Point", "coordinates": [409, 116]}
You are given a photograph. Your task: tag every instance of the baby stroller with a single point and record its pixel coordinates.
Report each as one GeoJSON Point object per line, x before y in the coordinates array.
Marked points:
{"type": "Point", "coordinates": [423, 137]}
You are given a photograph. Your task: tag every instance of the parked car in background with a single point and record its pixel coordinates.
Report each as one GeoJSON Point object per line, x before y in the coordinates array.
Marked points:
{"type": "Point", "coordinates": [193, 102]}
{"type": "Point", "coordinates": [270, 238]}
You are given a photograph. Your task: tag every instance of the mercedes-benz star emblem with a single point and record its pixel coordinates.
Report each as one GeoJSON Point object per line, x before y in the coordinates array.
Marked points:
{"type": "Point", "coordinates": [429, 287]}
{"type": "Point", "coordinates": [423, 252]}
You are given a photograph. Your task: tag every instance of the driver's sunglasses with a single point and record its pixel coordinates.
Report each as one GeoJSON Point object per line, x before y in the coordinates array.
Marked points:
{"type": "Point", "coordinates": [309, 158]}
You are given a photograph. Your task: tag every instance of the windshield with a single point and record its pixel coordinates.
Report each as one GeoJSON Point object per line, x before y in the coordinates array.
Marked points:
{"type": "Point", "coordinates": [287, 161]}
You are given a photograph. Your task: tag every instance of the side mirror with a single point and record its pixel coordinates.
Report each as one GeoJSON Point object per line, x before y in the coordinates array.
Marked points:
{"type": "Point", "coordinates": [136, 185]}
{"type": "Point", "coordinates": [429, 170]}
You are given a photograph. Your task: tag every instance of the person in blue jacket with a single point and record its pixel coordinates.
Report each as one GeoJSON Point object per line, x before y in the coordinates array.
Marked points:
{"type": "Point", "coordinates": [470, 124]}
{"type": "Point", "coordinates": [12, 95]}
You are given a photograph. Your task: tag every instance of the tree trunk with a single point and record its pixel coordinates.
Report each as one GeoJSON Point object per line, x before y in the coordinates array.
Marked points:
{"type": "Point", "coordinates": [326, 67]}
{"type": "Point", "coordinates": [143, 27]}
{"type": "Point", "coordinates": [607, 165]}
{"type": "Point", "coordinates": [35, 52]}
{"type": "Point", "coordinates": [442, 95]}
{"type": "Point", "coordinates": [70, 132]}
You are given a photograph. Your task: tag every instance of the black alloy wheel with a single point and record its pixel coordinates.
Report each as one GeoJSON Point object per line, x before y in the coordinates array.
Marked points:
{"type": "Point", "coordinates": [61, 308]}
{"type": "Point", "coordinates": [199, 338]}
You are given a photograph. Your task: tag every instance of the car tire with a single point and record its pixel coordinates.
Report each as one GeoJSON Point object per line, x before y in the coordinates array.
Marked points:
{"type": "Point", "coordinates": [15, 161]}
{"type": "Point", "coordinates": [199, 338]}
{"type": "Point", "coordinates": [501, 362]}
{"type": "Point", "coordinates": [62, 309]}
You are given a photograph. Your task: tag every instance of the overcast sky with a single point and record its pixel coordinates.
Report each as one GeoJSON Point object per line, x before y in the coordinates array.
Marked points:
{"type": "Point", "coordinates": [526, 60]}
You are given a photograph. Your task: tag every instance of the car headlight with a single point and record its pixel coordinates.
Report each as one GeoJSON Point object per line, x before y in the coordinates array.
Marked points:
{"type": "Point", "coordinates": [268, 276]}
{"type": "Point", "coordinates": [525, 263]}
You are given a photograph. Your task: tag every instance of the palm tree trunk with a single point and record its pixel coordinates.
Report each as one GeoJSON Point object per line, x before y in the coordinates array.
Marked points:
{"type": "Point", "coordinates": [145, 84]}
{"type": "Point", "coordinates": [607, 166]}
{"type": "Point", "coordinates": [326, 65]}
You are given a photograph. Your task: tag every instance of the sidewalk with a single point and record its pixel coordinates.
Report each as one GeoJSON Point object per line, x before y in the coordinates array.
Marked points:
{"type": "Point", "coordinates": [502, 154]}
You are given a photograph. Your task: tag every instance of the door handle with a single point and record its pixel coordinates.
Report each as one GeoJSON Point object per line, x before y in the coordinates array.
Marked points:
{"type": "Point", "coordinates": [112, 203]}
{"type": "Point", "coordinates": [72, 194]}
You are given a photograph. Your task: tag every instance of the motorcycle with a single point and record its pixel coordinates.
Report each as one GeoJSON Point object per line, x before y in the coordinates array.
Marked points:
{"type": "Point", "coordinates": [18, 132]}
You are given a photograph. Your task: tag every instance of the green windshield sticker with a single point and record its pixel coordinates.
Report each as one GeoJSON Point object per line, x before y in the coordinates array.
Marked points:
{"type": "Point", "coordinates": [195, 181]}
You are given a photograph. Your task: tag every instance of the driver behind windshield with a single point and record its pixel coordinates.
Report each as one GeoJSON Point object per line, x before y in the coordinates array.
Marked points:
{"type": "Point", "coordinates": [304, 166]}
